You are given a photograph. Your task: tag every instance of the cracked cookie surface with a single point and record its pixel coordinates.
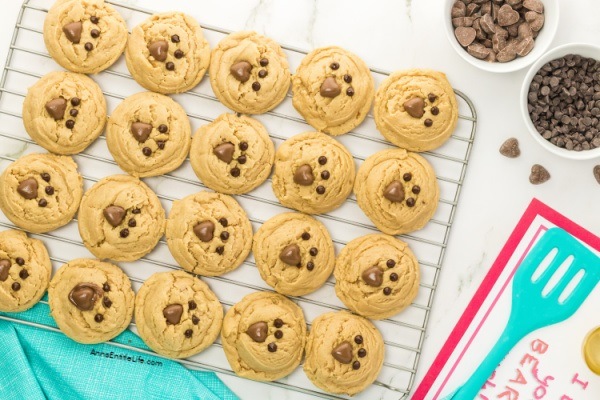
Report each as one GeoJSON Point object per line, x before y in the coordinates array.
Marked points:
{"type": "Point", "coordinates": [397, 190]}
{"type": "Point", "coordinates": [263, 336]}
{"type": "Point", "coordinates": [84, 36]}
{"type": "Point", "coordinates": [41, 192]}
{"type": "Point", "coordinates": [333, 90]}
{"type": "Point", "coordinates": [120, 218]}
{"type": "Point", "coordinates": [294, 253]}
{"type": "Point", "coordinates": [64, 112]}
{"type": "Point", "coordinates": [25, 270]}
{"type": "Point", "coordinates": [232, 154]}
{"type": "Point", "coordinates": [90, 300]}
{"type": "Point", "coordinates": [208, 233]}
{"type": "Point", "coordinates": [177, 315]}
{"type": "Point", "coordinates": [376, 276]}
{"type": "Point", "coordinates": [313, 173]}
{"type": "Point", "coordinates": [416, 109]}
{"type": "Point", "coordinates": [148, 134]}
{"type": "Point", "coordinates": [249, 73]}
{"type": "Point", "coordinates": [344, 353]}
{"type": "Point", "coordinates": [167, 53]}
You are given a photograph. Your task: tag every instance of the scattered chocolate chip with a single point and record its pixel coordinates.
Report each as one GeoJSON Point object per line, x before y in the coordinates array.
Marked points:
{"type": "Point", "coordinates": [73, 112]}
{"type": "Point", "coordinates": [106, 287]}
{"type": "Point", "coordinates": [428, 122]}
{"type": "Point", "coordinates": [136, 211]}
{"type": "Point", "coordinates": [188, 333]}
{"type": "Point", "coordinates": [325, 175]}
{"type": "Point", "coordinates": [45, 176]}
{"type": "Point", "coordinates": [373, 276]}
{"type": "Point", "coordinates": [241, 71]}
{"type": "Point", "coordinates": [28, 189]}
{"type": "Point", "coordinates": [334, 66]}
{"type": "Point", "coordinates": [278, 334]}
{"type": "Point", "coordinates": [160, 144]}
{"type": "Point", "coordinates": [350, 92]}
{"type": "Point", "coordinates": [4, 268]}
{"type": "Point", "coordinates": [394, 192]}
{"type": "Point", "coordinates": [49, 190]}
{"type": "Point", "coordinates": [510, 148]}
{"type": "Point", "coordinates": [94, 19]}
{"type": "Point", "coordinates": [106, 302]}
{"type": "Point", "coordinates": [256, 86]}
{"type": "Point", "coordinates": [70, 124]}
{"type": "Point", "coordinates": [343, 352]}
{"type": "Point", "coordinates": [242, 159]}
{"type": "Point", "coordinates": [322, 160]}
{"type": "Point", "coordinates": [330, 88]}
{"type": "Point", "coordinates": [243, 146]}
{"type": "Point", "coordinates": [140, 131]}
{"type": "Point", "coordinates": [72, 31]}
{"type": "Point", "coordinates": [159, 50]}
{"type": "Point", "coordinates": [362, 353]}
{"type": "Point", "coordinates": [387, 291]}
{"type": "Point", "coordinates": [393, 277]}
{"type": "Point", "coordinates": [597, 173]}
{"type": "Point", "coordinates": [56, 108]}
{"type": "Point", "coordinates": [313, 251]}
{"type": "Point", "coordinates": [95, 33]}
{"type": "Point", "coordinates": [220, 250]}
{"type": "Point", "coordinates": [16, 286]}
{"type": "Point", "coordinates": [75, 101]}
{"type": "Point", "coordinates": [178, 54]}
{"type": "Point", "coordinates": [235, 172]}
{"type": "Point", "coordinates": [175, 39]}
{"type": "Point", "coordinates": [410, 202]}
{"type": "Point", "coordinates": [320, 189]}
{"type": "Point", "coordinates": [224, 236]}
{"type": "Point", "coordinates": [42, 202]}
{"type": "Point", "coordinates": [162, 128]}
{"type": "Point", "coordinates": [290, 255]}
{"type": "Point", "coordinates": [356, 365]}
{"type": "Point", "coordinates": [170, 66]}
{"type": "Point", "coordinates": [98, 318]}
{"type": "Point", "coordinates": [195, 320]}
{"type": "Point", "coordinates": [172, 313]}
{"type": "Point", "coordinates": [390, 263]}
{"type": "Point", "coordinates": [435, 110]}
{"type": "Point", "coordinates": [84, 296]}
{"type": "Point", "coordinates": [358, 339]}
{"type": "Point", "coordinates": [538, 175]}
{"type": "Point", "coordinates": [272, 347]}
{"type": "Point", "coordinates": [20, 262]}
{"type": "Point", "coordinates": [278, 323]}
{"type": "Point", "coordinates": [147, 151]}
{"type": "Point", "coordinates": [304, 175]}
{"type": "Point", "coordinates": [131, 223]}
{"type": "Point", "coordinates": [262, 73]}
{"type": "Point", "coordinates": [204, 231]}
{"type": "Point", "coordinates": [88, 46]}
{"type": "Point", "coordinates": [224, 152]}
{"type": "Point", "coordinates": [416, 189]}
{"type": "Point", "coordinates": [264, 62]}
{"type": "Point", "coordinates": [415, 107]}
{"type": "Point", "coordinates": [310, 265]}
{"type": "Point", "coordinates": [124, 233]}
{"type": "Point", "coordinates": [223, 221]}
{"type": "Point", "coordinates": [347, 78]}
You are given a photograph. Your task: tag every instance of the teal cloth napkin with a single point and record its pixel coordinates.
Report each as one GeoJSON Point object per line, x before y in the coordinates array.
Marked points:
{"type": "Point", "coordinates": [36, 363]}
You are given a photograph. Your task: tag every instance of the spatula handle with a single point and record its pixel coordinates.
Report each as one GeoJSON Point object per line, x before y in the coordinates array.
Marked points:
{"type": "Point", "coordinates": [503, 346]}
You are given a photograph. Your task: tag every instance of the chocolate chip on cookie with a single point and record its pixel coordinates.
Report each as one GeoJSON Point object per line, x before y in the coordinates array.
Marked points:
{"type": "Point", "coordinates": [258, 331]}
{"type": "Point", "coordinates": [291, 255]}
{"type": "Point", "coordinates": [114, 215]}
{"type": "Point", "coordinates": [173, 313]}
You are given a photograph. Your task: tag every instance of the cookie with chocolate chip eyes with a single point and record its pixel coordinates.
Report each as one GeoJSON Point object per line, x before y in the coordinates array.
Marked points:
{"type": "Point", "coordinates": [41, 192]}
{"type": "Point", "coordinates": [120, 218]}
{"type": "Point", "coordinates": [148, 134]}
{"type": "Point", "coordinates": [376, 276]}
{"type": "Point", "coordinates": [90, 300]}
{"type": "Point", "coordinates": [24, 271]}
{"type": "Point", "coordinates": [333, 90]}
{"type": "Point", "coordinates": [177, 315]}
{"type": "Point", "coordinates": [64, 112]}
{"type": "Point", "coordinates": [208, 233]}
{"type": "Point", "coordinates": [294, 253]}
{"type": "Point", "coordinates": [416, 109]}
{"type": "Point", "coordinates": [263, 336]}
{"type": "Point", "coordinates": [85, 36]}
{"type": "Point", "coordinates": [167, 53]}
{"type": "Point", "coordinates": [397, 190]}
{"type": "Point", "coordinates": [344, 353]}
{"type": "Point", "coordinates": [313, 173]}
{"type": "Point", "coordinates": [249, 73]}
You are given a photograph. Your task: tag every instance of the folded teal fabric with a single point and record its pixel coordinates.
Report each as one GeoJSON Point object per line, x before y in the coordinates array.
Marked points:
{"type": "Point", "coordinates": [36, 363]}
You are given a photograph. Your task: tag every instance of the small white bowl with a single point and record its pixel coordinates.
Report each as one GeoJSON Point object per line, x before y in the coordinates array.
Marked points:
{"type": "Point", "coordinates": [585, 50]}
{"type": "Point", "coordinates": [542, 42]}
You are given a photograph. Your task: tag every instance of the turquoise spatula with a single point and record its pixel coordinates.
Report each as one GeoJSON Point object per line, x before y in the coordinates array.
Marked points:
{"type": "Point", "coordinates": [532, 309]}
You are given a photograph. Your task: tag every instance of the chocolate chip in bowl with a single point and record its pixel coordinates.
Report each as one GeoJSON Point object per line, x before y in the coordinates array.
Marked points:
{"type": "Point", "coordinates": [500, 35]}
{"type": "Point", "coordinates": [560, 101]}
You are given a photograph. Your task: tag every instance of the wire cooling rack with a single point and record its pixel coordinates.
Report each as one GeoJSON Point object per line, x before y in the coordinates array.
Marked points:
{"type": "Point", "coordinates": [28, 60]}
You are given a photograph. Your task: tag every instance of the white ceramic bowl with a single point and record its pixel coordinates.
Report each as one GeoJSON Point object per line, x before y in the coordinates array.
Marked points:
{"type": "Point", "coordinates": [542, 42]}
{"type": "Point", "coordinates": [585, 50]}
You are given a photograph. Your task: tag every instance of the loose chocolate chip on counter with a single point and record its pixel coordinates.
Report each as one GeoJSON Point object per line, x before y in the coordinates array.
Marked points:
{"type": "Point", "coordinates": [350, 92]}
{"type": "Point", "coordinates": [387, 291]}
{"type": "Point", "coordinates": [220, 250]}
{"type": "Point", "coordinates": [242, 159]}
{"type": "Point", "coordinates": [88, 46]}
{"type": "Point", "coordinates": [305, 236]}
{"type": "Point", "coordinates": [435, 110]}
{"type": "Point", "coordinates": [224, 236]}
{"type": "Point", "coordinates": [94, 19]}
{"type": "Point", "coordinates": [95, 33]}
{"type": "Point", "coordinates": [140, 131]}
{"type": "Point", "coordinates": [188, 333]}
{"type": "Point", "coordinates": [28, 189]}
{"type": "Point", "coordinates": [73, 112]}
{"type": "Point", "coordinates": [241, 71]}
{"type": "Point", "coordinates": [278, 323]}
{"type": "Point", "coordinates": [394, 192]}
{"type": "Point", "coordinates": [45, 176]}
{"type": "Point", "coordinates": [347, 78]}
{"type": "Point", "coordinates": [235, 172]}
{"type": "Point", "coordinates": [72, 31]}
{"type": "Point", "coordinates": [170, 66]}
{"type": "Point", "coordinates": [410, 202]}
{"type": "Point", "coordinates": [415, 107]}
{"type": "Point", "coordinates": [362, 353]}
{"type": "Point", "coordinates": [84, 295]}
{"type": "Point", "coordinates": [407, 177]}
{"type": "Point", "coordinates": [310, 265]}
{"type": "Point", "coordinates": [393, 277]}
{"type": "Point", "coordinates": [192, 305]}
{"type": "Point", "coordinates": [320, 189]}
{"type": "Point", "coordinates": [172, 313]}
{"type": "Point", "coordinates": [291, 255]}
{"type": "Point", "coordinates": [49, 190]}
{"type": "Point", "coordinates": [195, 320]}
{"type": "Point", "coordinates": [4, 268]}
{"type": "Point", "coordinates": [42, 202]}
{"type": "Point", "coordinates": [224, 152]}
{"type": "Point", "coordinates": [416, 189]}
{"type": "Point", "coordinates": [178, 54]}
{"type": "Point", "coordinates": [204, 231]}
{"type": "Point", "coordinates": [322, 160]}
{"type": "Point", "coordinates": [160, 144]}
{"type": "Point", "coordinates": [20, 262]}
{"type": "Point", "coordinates": [106, 287]}
{"type": "Point", "coordinates": [159, 50]}
{"type": "Point", "coordinates": [510, 148]}
{"type": "Point", "coordinates": [356, 365]}
{"type": "Point", "coordinates": [278, 334]}
{"type": "Point", "coordinates": [262, 73]}
{"type": "Point", "coordinates": [373, 276]}
{"type": "Point", "coordinates": [264, 62]}
{"type": "Point", "coordinates": [343, 352]}
{"type": "Point", "coordinates": [98, 318]}
{"type": "Point", "coordinates": [358, 339]}
{"type": "Point", "coordinates": [114, 215]}
{"type": "Point", "coordinates": [428, 122]}
{"type": "Point", "coordinates": [16, 286]}
{"type": "Point", "coordinates": [124, 233]}
{"type": "Point", "coordinates": [106, 302]}
{"type": "Point", "coordinates": [325, 175]}
{"type": "Point", "coordinates": [538, 175]}
{"type": "Point", "coordinates": [304, 175]}
{"type": "Point", "coordinates": [256, 86]}
{"type": "Point", "coordinates": [465, 35]}
{"type": "Point", "coordinates": [330, 88]}
{"type": "Point", "coordinates": [175, 39]}
{"type": "Point", "coordinates": [272, 347]}
{"type": "Point", "coordinates": [597, 173]}
{"type": "Point", "coordinates": [131, 223]}
{"type": "Point", "coordinates": [56, 108]}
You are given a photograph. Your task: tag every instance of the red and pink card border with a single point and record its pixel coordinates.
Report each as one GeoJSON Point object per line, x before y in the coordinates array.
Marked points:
{"type": "Point", "coordinates": [535, 208]}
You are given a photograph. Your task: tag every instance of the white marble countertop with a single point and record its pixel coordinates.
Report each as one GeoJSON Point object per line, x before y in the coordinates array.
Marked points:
{"type": "Point", "coordinates": [396, 34]}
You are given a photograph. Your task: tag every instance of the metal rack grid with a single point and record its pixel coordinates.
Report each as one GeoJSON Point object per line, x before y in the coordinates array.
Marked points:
{"type": "Point", "coordinates": [28, 60]}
